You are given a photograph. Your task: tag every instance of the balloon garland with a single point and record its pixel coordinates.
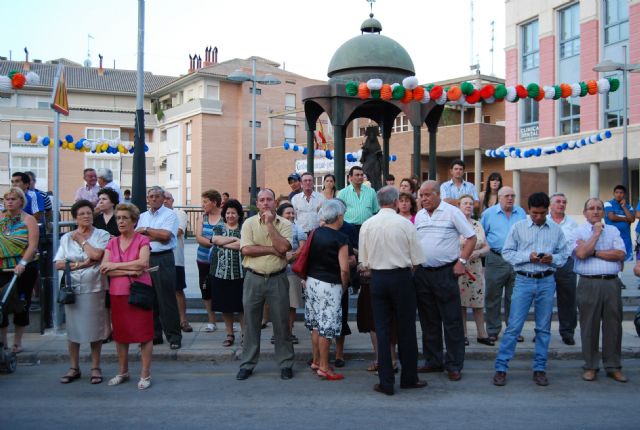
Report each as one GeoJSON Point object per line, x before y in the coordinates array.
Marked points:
{"type": "Point", "coordinates": [504, 152]}
{"type": "Point", "coordinates": [351, 157]}
{"type": "Point", "coordinates": [94, 146]}
{"type": "Point", "coordinates": [16, 80]}
{"type": "Point", "coordinates": [468, 93]}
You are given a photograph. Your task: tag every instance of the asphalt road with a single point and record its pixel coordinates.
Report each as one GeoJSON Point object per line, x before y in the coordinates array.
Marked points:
{"type": "Point", "coordinates": [198, 395]}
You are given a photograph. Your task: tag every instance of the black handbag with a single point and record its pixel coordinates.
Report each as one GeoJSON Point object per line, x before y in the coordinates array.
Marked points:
{"type": "Point", "coordinates": [141, 295]}
{"type": "Point", "coordinates": [66, 296]}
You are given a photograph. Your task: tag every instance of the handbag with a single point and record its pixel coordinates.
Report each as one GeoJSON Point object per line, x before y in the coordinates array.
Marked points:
{"type": "Point", "coordinates": [301, 265]}
{"type": "Point", "coordinates": [66, 296]}
{"type": "Point", "coordinates": [140, 295]}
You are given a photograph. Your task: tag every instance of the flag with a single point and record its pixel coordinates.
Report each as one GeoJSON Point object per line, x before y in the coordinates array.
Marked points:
{"type": "Point", "coordinates": [59, 99]}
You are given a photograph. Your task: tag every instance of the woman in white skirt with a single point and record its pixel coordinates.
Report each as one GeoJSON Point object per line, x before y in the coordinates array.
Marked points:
{"type": "Point", "coordinates": [86, 319]}
{"type": "Point", "coordinates": [327, 278]}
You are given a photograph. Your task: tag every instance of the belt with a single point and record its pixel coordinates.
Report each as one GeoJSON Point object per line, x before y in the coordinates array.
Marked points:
{"type": "Point", "coordinates": [599, 276]}
{"type": "Point", "coordinates": [162, 252]}
{"type": "Point", "coordinates": [536, 275]}
{"type": "Point", "coordinates": [266, 275]}
{"type": "Point", "coordinates": [497, 252]}
{"type": "Point", "coordinates": [444, 266]}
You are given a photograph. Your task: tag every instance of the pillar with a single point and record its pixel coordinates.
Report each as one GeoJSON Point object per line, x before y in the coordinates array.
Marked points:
{"type": "Point", "coordinates": [553, 180]}
{"type": "Point", "coordinates": [339, 152]}
{"type": "Point", "coordinates": [310, 151]}
{"type": "Point", "coordinates": [417, 155]}
{"type": "Point", "coordinates": [516, 184]}
{"type": "Point", "coordinates": [477, 161]}
{"type": "Point", "coordinates": [433, 162]}
{"type": "Point", "coordinates": [385, 155]}
{"type": "Point", "coordinates": [594, 180]}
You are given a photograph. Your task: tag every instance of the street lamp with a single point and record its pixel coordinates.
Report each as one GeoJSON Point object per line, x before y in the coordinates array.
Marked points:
{"type": "Point", "coordinates": [268, 79]}
{"type": "Point", "coordinates": [606, 66]}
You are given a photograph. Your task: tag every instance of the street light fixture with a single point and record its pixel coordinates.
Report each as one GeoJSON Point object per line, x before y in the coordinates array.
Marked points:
{"type": "Point", "coordinates": [606, 66]}
{"type": "Point", "coordinates": [268, 79]}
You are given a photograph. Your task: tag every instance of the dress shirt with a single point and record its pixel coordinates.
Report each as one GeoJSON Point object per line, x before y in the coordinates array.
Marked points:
{"type": "Point", "coordinates": [496, 224]}
{"type": "Point", "coordinates": [359, 207]}
{"type": "Point", "coordinates": [568, 225]}
{"type": "Point", "coordinates": [255, 232]}
{"type": "Point", "coordinates": [115, 187]}
{"type": "Point", "coordinates": [609, 239]}
{"type": "Point", "coordinates": [449, 190]}
{"type": "Point", "coordinates": [162, 219]}
{"type": "Point", "coordinates": [389, 241]}
{"type": "Point", "coordinates": [439, 234]}
{"type": "Point", "coordinates": [526, 237]}
{"type": "Point", "coordinates": [307, 216]}
{"type": "Point", "coordinates": [88, 193]}
{"type": "Point", "coordinates": [89, 279]}
{"type": "Point", "coordinates": [178, 251]}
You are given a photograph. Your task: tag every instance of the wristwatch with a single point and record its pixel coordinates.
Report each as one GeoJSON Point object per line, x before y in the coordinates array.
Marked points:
{"type": "Point", "coordinates": [146, 230]}
{"type": "Point", "coordinates": [83, 244]}
{"type": "Point", "coordinates": [462, 260]}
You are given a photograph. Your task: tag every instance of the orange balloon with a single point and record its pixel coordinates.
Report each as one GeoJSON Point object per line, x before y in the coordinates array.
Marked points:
{"type": "Point", "coordinates": [385, 92]}
{"type": "Point", "coordinates": [454, 93]}
{"type": "Point", "coordinates": [363, 91]}
{"type": "Point", "coordinates": [540, 95]}
{"type": "Point", "coordinates": [408, 96]}
{"type": "Point", "coordinates": [418, 93]}
{"type": "Point", "coordinates": [592, 87]}
{"type": "Point", "coordinates": [565, 90]}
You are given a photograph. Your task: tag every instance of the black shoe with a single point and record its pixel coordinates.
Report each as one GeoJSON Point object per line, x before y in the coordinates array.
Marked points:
{"type": "Point", "coordinates": [286, 373]}
{"type": "Point", "coordinates": [243, 374]}
{"type": "Point", "coordinates": [500, 379]}
{"type": "Point", "coordinates": [568, 340]}
{"type": "Point", "coordinates": [339, 362]}
{"type": "Point", "coordinates": [485, 341]}
{"type": "Point", "coordinates": [418, 384]}
{"type": "Point", "coordinates": [380, 389]}
{"type": "Point", "coordinates": [158, 341]}
{"type": "Point", "coordinates": [175, 345]}
{"type": "Point", "coordinates": [493, 337]}
{"type": "Point", "coordinates": [520, 338]}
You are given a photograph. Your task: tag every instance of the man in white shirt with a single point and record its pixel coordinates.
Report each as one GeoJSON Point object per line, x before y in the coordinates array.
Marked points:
{"type": "Point", "coordinates": [160, 224]}
{"type": "Point", "coordinates": [566, 279]}
{"type": "Point", "coordinates": [307, 204]}
{"type": "Point", "coordinates": [105, 180]}
{"type": "Point", "coordinates": [178, 255]}
{"type": "Point", "coordinates": [389, 247]}
{"type": "Point", "coordinates": [89, 191]}
{"type": "Point", "coordinates": [440, 226]}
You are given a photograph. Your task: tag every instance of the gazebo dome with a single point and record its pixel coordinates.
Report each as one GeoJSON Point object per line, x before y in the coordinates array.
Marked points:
{"type": "Point", "coordinates": [370, 55]}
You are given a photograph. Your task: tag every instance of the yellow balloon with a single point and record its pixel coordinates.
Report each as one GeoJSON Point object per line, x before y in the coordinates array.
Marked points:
{"type": "Point", "coordinates": [104, 146]}
{"type": "Point", "coordinates": [34, 138]}
{"type": "Point", "coordinates": [51, 144]}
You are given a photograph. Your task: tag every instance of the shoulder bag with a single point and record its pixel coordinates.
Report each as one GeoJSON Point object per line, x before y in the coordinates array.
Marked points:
{"type": "Point", "coordinates": [66, 296]}
{"type": "Point", "coordinates": [301, 265]}
{"type": "Point", "coordinates": [140, 295]}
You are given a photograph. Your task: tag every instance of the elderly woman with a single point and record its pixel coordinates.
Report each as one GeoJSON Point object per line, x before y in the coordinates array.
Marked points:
{"type": "Point", "coordinates": [208, 224]}
{"type": "Point", "coordinates": [18, 246]}
{"type": "Point", "coordinates": [471, 284]}
{"type": "Point", "coordinates": [86, 319]}
{"type": "Point", "coordinates": [108, 199]}
{"type": "Point", "coordinates": [407, 206]}
{"type": "Point", "coordinates": [125, 260]}
{"type": "Point", "coordinates": [327, 278]}
{"type": "Point", "coordinates": [228, 279]}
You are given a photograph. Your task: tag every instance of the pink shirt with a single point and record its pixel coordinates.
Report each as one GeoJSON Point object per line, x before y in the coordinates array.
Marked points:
{"type": "Point", "coordinates": [119, 285]}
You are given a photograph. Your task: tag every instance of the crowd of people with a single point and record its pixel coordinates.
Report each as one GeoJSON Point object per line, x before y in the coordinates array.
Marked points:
{"type": "Point", "coordinates": [430, 250]}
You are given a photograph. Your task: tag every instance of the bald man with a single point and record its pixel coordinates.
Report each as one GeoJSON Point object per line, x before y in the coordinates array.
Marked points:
{"type": "Point", "coordinates": [499, 275]}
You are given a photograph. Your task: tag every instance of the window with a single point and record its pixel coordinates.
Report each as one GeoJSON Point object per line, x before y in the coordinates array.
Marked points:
{"type": "Point", "coordinates": [188, 168]}
{"type": "Point", "coordinates": [318, 182]}
{"type": "Point", "coordinates": [102, 133]}
{"type": "Point", "coordinates": [188, 128]}
{"type": "Point", "coordinates": [570, 31]}
{"type": "Point", "coordinates": [258, 124]}
{"type": "Point", "coordinates": [616, 21]}
{"type": "Point", "coordinates": [35, 164]}
{"type": "Point", "coordinates": [530, 46]}
{"type": "Point", "coordinates": [400, 124]}
{"type": "Point", "coordinates": [289, 133]}
{"type": "Point", "coordinates": [289, 101]}
{"type": "Point", "coordinates": [569, 67]}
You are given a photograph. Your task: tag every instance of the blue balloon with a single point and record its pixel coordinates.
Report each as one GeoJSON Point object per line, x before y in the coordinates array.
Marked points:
{"type": "Point", "coordinates": [78, 145]}
{"type": "Point", "coordinates": [46, 141]}
{"type": "Point", "coordinates": [59, 142]}
{"type": "Point", "coordinates": [394, 157]}
{"type": "Point", "coordinates": [304, 151]}
{"type": "Point", "coordinates": [565, 145]}
{"type": "Point", "coordinates": [146, 148]}
{"type": "Point", "coordinates": [349, 158]}
{"type": "Point", "coordinates": [599, 137]}
{"type": "Point", "coordinates": [538, 152]}
{"type": "Point", "coordinates": [27, 137]}
{"type": "Point", "coordinates": [286, 146]}
{"type": "Point", "coordinates": [130, 151]}
{"type": "Point", "coordinates": [68, 138]}
{"type": "Point", "coordinates": [607, 134]}
{"type": "Point", "coordinates": [328, 154]}
{"type": "Point", "coordinates": [295, 148]}
{"type": "Point", "coordinates": [559, 148]}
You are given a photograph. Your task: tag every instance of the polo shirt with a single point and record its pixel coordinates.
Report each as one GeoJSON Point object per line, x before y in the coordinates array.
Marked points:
{"type": "Point", "coordinates": [255, 232]}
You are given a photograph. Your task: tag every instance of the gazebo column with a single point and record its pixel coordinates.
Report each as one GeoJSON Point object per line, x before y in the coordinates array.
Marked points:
{"type": "Point", "coordinates": [310, 151]}
{"type": "Point", "coordinates": [417, 156]}
{"type": "Point", "coordinates": [433, 162]}
{"type": "Point", "coordinates": [339, 152]}
{"type": "Point", "coordinates": [385, 156]}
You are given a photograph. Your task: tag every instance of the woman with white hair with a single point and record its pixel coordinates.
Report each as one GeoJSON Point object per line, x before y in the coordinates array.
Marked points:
{"type": "Point", "coordinates": [327, 278]}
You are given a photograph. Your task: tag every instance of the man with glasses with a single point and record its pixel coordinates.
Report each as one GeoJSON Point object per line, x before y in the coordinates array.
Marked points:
{"type": "Point", "coordinates": [499, 275]}
{"type": "Point", "coordinates": [160, 224]}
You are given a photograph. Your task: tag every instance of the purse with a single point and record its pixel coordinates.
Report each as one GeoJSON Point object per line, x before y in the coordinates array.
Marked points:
{"type": "Point", "coordinates": [140, 295]}
{"type": "Point", "coordinates": [301, 265]}
{"type": "Point", "coordinates": [66, 296]}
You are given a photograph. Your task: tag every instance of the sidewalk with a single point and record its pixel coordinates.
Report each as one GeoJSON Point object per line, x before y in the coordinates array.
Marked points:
{"type": "Point", "coordinates": [202, 346]}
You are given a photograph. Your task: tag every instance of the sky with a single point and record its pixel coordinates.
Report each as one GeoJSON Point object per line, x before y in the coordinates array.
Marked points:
{"type": "Point", "coordinates": [301, 35]}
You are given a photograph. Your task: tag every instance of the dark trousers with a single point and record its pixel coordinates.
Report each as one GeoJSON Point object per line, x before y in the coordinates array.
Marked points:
{"type": "Point", "coordinates": [498, 276]}
{"type": "Point", "coordinates": [439, 305]}
{"type": "Point", "coordinates": [393, 293]}
{"type": "Point", "coordinates": [566, 281]}
{"type": "Point", "coordinates": [165, 306]}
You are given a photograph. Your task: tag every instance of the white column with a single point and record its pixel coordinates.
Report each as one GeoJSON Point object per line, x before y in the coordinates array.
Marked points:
{"type": "Point", "coordinates": [477, 159]}
{"type": "Point", "coordinates": [594, 180]}
{"type": "Point", "coordinates": [516, 184]}
{"type": "Point", "coordinates": [478, 113]}
{"type": "Point", "coordinates": [553, 180]}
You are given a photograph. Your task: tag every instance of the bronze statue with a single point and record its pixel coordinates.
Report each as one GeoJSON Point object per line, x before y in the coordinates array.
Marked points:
{"type": "Point", "coordinates": [371, 158]}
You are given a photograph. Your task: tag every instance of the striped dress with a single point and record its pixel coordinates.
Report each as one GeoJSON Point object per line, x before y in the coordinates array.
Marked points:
{"type": "Point", "coordinates": [14, 239]}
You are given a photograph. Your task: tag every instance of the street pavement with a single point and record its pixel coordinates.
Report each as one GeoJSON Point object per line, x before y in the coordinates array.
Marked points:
{"type": "Point", "coordinates": [193, 395]}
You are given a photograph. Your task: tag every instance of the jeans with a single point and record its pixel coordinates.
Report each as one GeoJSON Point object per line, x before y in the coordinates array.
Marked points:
{"type": "Point", "coordinates": [540, 292]}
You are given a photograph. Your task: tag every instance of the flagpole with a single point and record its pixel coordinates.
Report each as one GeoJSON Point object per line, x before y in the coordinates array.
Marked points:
{"type": "Point", "coordinates": [56, 219]}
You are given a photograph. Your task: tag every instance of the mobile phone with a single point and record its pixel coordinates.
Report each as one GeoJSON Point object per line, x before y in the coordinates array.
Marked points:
{"type": "Point", "coordinates": [541, 254]}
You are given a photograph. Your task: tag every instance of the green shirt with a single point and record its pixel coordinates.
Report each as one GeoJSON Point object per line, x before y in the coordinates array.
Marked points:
{"type": "Point", "coordinates": [359, 208]}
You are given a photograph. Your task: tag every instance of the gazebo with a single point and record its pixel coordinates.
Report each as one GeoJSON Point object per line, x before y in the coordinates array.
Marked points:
{"type": "Point", "coordinates": [368, 56]}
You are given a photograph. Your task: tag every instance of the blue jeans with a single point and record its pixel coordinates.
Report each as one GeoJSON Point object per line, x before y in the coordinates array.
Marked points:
{"type": "Point", "coordinates": [526, 291]}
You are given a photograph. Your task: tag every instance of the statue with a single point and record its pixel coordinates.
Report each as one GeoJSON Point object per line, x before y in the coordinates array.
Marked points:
{"type": "Point", "coordinates": [371, 158]}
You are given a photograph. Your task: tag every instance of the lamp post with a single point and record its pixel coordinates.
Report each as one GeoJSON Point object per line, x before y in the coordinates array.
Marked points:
{"type": "Point", "coordinates": [268, 79]}
{"type": "Point", "coordinates": [606, 66]}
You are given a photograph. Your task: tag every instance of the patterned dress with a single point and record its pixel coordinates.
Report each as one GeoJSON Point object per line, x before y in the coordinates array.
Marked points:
{"type": "Point", "coordinates": [227, 284]}
{"type": "Point", "coordinates": [472, 292]}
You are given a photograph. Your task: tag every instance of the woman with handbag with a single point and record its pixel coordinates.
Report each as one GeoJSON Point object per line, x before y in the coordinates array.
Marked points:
{"type": "Point", "coordinates": [19, 236]}
{"type": "Point", "coordinates": [327, 279]}
{"type": "Point", "coordinates": [125, 260]}
{"type": "Point", "coordinates": [81, 252]}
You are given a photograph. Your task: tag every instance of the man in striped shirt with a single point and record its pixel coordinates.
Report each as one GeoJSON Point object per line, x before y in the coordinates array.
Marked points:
{"type": "Point", "coordinates": [360, 199]}
{"type": "Point", "coordinates": [536, 248]}
{"type": "Point", "coordinates": [451, 191]}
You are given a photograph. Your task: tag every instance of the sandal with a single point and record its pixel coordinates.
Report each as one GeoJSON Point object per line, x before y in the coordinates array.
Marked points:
{"type": "Point", "coordinates": [96, 379]}
{"type": "Point", "coordinates": [315, 367]}
{"type": "Point", "coordinates": [119, 379]}
{"type": "Point", "coordinates": [17, 349]}
{"type": "Point", "coordinates": [329, 375]}
{"type": "Point", "coordinates": [144, 383]}
{"type": "Point", "coordinates": [229, 340]}
{"type": "Point", "coordinates": [70, 377]}
{"type": "Point", "coordinates": [373, 367]}
{"type": "Point", "coordinates": [186, 327]}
